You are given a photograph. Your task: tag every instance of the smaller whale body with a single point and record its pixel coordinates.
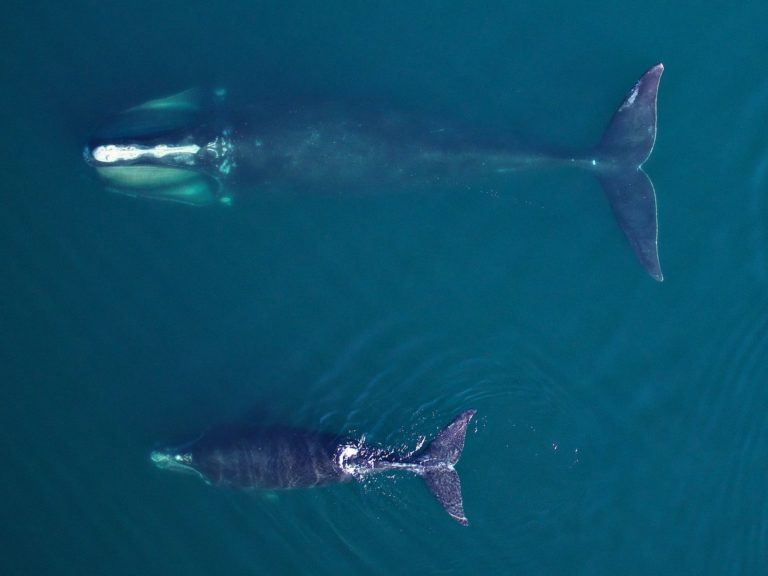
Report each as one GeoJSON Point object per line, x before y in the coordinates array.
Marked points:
{"type": "Point", "coordinates": [284, 458]}
{"type": "Point", "coordinates": [194, 148]}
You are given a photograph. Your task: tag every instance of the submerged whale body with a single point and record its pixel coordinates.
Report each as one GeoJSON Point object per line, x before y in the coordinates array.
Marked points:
{"type": "Point", "coordinates": [283, 458]}
{"type": "Point", "coordinates": [191, 148]}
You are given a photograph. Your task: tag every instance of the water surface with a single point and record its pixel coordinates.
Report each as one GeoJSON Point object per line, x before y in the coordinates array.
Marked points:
{"type": "Point", "coordinates": [621, 423]}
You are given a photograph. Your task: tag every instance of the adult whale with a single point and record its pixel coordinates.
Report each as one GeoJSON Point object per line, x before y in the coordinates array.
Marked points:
{"type": "Point", "coordinates": [282, 458]}
{"type": "Point", "coordinates": [190, 148]}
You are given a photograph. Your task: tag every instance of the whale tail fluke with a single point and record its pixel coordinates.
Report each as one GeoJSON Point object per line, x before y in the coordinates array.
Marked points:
{"type": "Point", "coordinates": [626, 145]}
{"type": "Point", "coordinates": [439, 459]}
{"type": "Point", "coordinates": [633, 201]}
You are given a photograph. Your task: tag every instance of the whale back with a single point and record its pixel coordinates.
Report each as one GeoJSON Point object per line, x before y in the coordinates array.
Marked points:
{"type": "Point", "coordinates": [273, 458]}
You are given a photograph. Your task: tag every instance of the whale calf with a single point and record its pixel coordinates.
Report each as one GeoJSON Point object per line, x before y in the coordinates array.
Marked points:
{"type": "Point", "coordinates": [193, 148]}
{"type": "Point", "coordinates": [284, 458]}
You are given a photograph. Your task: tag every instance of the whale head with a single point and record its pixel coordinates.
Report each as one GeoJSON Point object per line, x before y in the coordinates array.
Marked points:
{"type": "Point", "coordinates": [176, 460]}
{"type": "Point", "coordinates": [176, 148]}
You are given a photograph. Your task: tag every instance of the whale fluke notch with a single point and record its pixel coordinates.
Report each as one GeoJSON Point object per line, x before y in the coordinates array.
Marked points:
{"type": "Point", "coordinates": [439, 458]}
{"type": "Point", "coordinates": [626, 145]}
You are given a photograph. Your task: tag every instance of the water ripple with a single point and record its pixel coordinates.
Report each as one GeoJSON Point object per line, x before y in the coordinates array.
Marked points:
{"type": "Point", "coordinates": [727, 452]}
{"type": "Point", "coordinates": [524, 448]}
{"type": "Point", "coordinates": [748, 149]}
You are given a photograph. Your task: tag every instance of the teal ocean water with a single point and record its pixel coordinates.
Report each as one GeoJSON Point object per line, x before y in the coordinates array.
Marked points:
{"type": "Point", "coordinates": [621, 424]}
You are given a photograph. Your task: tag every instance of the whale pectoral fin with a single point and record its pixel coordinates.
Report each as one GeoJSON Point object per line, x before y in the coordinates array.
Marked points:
{"type": "Point", "coordinates": [445, 485]}
{"type": "Point", "coordinates": [633, 201]}
{"type": "Point", "coordinates": [270, 496]}
{"type": "Point", "coordinates": [189, 99]}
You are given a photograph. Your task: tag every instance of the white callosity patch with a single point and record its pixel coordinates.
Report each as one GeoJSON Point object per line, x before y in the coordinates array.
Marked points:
{"type": "Point", "coordinates": [183, 458]}
{"type": "Point", "coordinates": [165, 459]}
{"type": "Point", "coordinates": [222, 149]}
{"type": "Point", "coordinates": [112, 153]}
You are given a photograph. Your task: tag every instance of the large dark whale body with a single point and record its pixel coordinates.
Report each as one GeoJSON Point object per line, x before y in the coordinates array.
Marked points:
{"type": "Point", "coordinates": [190, 148]}
{"type": "Point", "coordinates": [282, 458]}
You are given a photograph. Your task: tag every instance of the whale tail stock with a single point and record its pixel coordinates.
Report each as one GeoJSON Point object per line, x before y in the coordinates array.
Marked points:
{"type": "Point", "coordinates": [439, 458]}
{"type": "Point", "coordinates": [625, 146]}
